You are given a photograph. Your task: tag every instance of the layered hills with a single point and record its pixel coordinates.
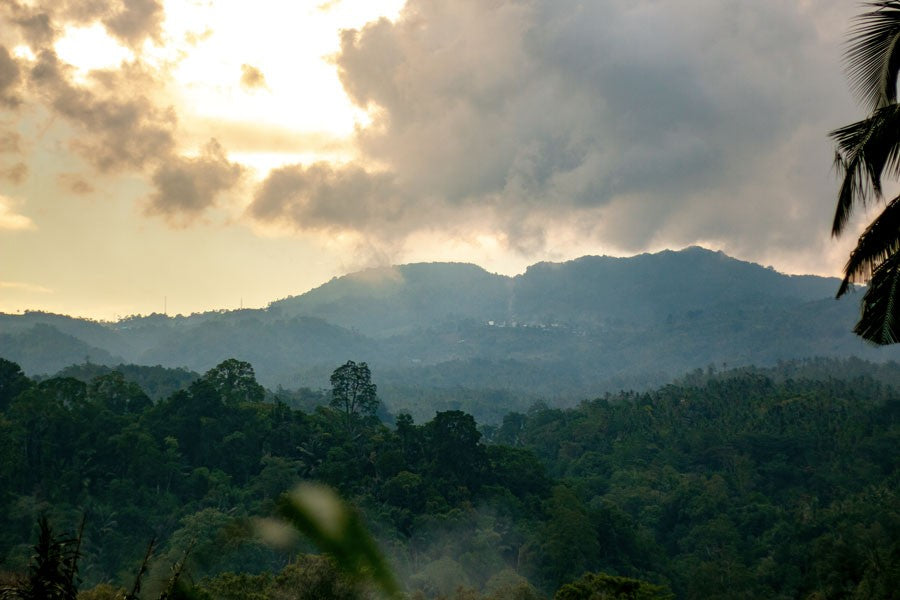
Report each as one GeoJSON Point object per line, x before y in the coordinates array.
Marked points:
{"type": "Point", "coordinates": [560, 330]}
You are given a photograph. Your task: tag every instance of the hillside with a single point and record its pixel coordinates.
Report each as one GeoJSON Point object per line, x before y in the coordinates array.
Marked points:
{"type": "Point", "coordinates": [558, 331]}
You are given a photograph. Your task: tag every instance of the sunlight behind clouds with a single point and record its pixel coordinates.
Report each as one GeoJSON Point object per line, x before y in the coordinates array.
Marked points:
{"type": "Point", "coordinates": [287, 43]}
{"type": "Point", "coordinates": [91, 48]}
{"type": "Point", "coordinates": [365, 131]}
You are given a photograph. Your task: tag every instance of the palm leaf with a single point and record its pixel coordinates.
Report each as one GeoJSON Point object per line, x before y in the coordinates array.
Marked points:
{"type": "Point", "coordinates": [877, 323]}
{"type": "Point", "coordinates": [873, 54]}
{"type": "Point", "coordinates": [878, 242]}
{"type": "Point", "coordinates": [865, 150]}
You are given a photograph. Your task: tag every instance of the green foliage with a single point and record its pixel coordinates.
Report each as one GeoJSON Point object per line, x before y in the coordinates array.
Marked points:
{"type": "Point", "coordinates": [53, 571]}
{"type": "Point", "coordinates": [157, 382]}
{"type": "Point", "coordinates": [600, 586]}
{"type": "Point", "coordinates": [454, 451]}
{"type": "Point", "coordinates": [307, 577]}
{"type": "Point", "coordinates": [12, 382]}
{"type": "Point", "coordinates": [235, 382]}
{"type": "Point", "coordinates": [752, 483]}
{"type": "Point", "coordinates": [353, 393]}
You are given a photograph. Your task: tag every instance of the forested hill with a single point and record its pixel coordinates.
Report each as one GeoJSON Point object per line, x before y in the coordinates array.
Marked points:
{"type": "Point", "coordinates": [559, 330]}
{"type": "Point", "coordinates": [745, 484]}
{"type": "Point", "coordinates": [587, 292]}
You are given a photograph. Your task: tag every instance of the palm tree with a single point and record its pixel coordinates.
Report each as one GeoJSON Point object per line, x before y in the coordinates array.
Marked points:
{"type": "Point", "coordinates": [866, 151]}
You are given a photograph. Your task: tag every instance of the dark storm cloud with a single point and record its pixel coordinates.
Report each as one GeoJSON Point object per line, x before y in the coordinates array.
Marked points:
{"type": "Point", "coordinates": [185, 187]}
{"type": "Point", "coordinates": [640, 122]}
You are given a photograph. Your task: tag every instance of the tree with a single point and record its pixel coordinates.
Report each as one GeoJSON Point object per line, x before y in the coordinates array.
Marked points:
{"type": "Point", "coordinates": [53, 572]}
{"type": "Point", "coordinates": [114, 393]}
{"type": "Point", "coordinates": [12, 382]}
{"type": "Point", "coordinates": [601, 585]}
{"type": "Point", "coordinates": [866, 151]}
{"type": "Point", "coordinates": [353, 393]}
{"type": "Point", "coordinates": [235, 381]}
{"type": "Point", "coordinates": [454, 449]}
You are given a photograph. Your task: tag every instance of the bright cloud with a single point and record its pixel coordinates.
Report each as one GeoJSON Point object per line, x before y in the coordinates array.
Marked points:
{"type": "Point", "coordinates": [25, 287]}
{"type": "Point", "coordinates": [91, 48]}
{"type": "Point", "coordinates": [11, 220]}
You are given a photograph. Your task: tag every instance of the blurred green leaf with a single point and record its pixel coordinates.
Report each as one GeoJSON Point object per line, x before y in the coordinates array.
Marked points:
{"type": "Point", "coordinates": [337, 529]}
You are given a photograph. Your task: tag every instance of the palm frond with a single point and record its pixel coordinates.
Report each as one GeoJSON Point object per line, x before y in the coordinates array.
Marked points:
{"type": "Point", "coordinates": [866, 150]}
{"type": "Point", "coordinates": [878, 242]}
{"type": "Point", "coordinates": [877, 323]}
{"type": "Point", "coordinates": [873, 54]}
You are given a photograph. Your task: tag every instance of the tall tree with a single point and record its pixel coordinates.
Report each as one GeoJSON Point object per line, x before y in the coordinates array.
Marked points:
{"type": "Point", "coordinates": [866, 151]}
{"type": "Point", "coordinates": [235, 382]}
{"type": "Point", "coordinates": [353, 393]}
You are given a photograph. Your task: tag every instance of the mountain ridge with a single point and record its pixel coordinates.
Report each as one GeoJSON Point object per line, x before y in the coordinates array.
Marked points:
{"type": "Point", "coordinates": [582, 324]}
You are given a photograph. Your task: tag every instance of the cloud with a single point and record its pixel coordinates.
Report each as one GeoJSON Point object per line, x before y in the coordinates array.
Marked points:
{"type": "Point", "coordinates": [120, 126]}
{"type": "Point", "coordinates": [252, 78]}
{"type": "Point", "coordinates": [120, 116]}
{"type": "Point", "coordinates": [10, 142]}
{"type": "Point", "coordinates": [132, 22]}
{"type": "Point", "coordinates": [193, 37]}
{"type": "Point", "coordinates": [74, 183]}
{"type": "Point", "coordinates": [636, 122]}
{"type": "Point", "coordinates": [325, 197]}
{"type": "Point", "coordinates": [15, 173]}
{"type": "Point", "coordinates": [25, 287]}
{"type": "Point", "coordinates": [9, 78]}
{"type": "Point", "coordinates": [33, 22]}
{"type": "Point", "coordinates": [11, 220]}
{"type": "Point", "coordinates": [135, 21]}
{"type": "Point", "coordinates": [184, 187]}
{"type": "Point", "coordinates": [328, 6]}
{"type": "Point", "coordinates": [251, 136]}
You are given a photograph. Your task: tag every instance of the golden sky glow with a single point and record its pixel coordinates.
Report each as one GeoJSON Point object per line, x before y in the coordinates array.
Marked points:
{"type": "Point", "coordinates": [300, 115]}
{"type": "Point", "coordinates": [218, 153]}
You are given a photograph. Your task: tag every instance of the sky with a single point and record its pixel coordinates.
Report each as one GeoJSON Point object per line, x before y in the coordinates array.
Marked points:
{"type": "Point", "coordinates": [193, 155]}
